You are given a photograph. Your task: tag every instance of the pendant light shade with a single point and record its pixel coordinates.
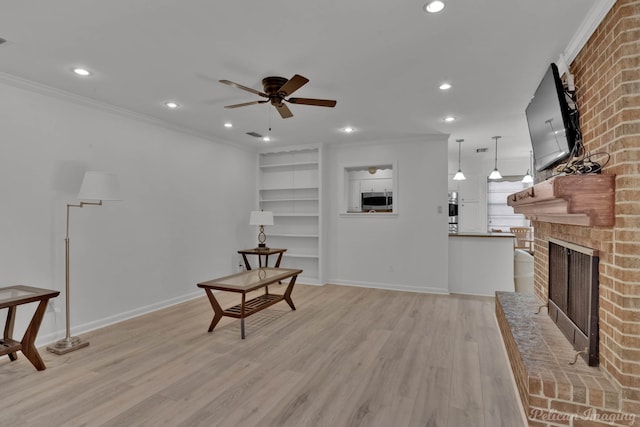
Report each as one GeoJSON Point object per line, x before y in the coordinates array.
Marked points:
{"type": "Point", "coordinates": [495, 174]}
{"type": "Point", "coordinates": [459, 176]}
{"type": "Point", "coordinates": [528, 179]}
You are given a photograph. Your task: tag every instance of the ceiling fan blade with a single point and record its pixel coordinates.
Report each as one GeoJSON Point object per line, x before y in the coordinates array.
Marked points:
{"type": "Point", "coordinates": [244, 104]}
{"type": "Point", "coordinates": [310, 101]}
{"type": "Point", "coordinates": [293, 84]}
{"type": "Point", "coordinates": [284, 111]}
{"type": "Point", "coordinates": [239, 86]}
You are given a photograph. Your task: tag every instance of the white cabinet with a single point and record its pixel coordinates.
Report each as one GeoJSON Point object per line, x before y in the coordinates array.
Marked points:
{"type": "Point", "coordinates": [470, 217]}
{"type": "Point", "coordinates": [290, 187]}
{"type": "Point", "coordinates": [472, 188]}
{"type": "Point", "coordinates": [472, 207]}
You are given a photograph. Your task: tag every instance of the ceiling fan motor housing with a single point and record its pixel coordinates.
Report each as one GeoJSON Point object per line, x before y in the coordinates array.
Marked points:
{"type": "Point", "coordinates": [271, 86]}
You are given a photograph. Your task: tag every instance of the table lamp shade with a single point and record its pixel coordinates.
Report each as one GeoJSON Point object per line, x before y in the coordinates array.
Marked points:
{"type": "Point", "coordinates": [99, 186]}
{"type": "Point", "coordinates": [261, 218]}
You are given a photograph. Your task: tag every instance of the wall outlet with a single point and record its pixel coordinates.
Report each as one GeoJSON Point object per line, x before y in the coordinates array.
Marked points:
{"type": "Point", "coordinates": [52, 307]}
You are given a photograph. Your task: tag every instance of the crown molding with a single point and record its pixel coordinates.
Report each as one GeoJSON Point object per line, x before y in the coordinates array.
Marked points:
{"type": "Point", "coordinates": [39, 88]}
{"type": "Point", "coordinates": [589, 25]}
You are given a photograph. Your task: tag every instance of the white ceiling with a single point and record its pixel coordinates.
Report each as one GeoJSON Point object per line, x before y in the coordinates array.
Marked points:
{"type": "Point", "coordinates": [381, 60]}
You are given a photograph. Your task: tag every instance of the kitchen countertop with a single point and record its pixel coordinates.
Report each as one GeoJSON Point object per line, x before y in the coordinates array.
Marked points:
{"type": "Point", "coordinates": [478, 234]}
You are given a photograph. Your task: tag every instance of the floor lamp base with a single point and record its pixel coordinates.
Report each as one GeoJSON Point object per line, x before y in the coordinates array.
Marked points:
{"type": "Point", "coordinates": [67, 345]}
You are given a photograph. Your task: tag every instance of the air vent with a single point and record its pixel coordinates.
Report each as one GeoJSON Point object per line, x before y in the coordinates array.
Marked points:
{"type": "Point", "coordinates": [481, 150]}
{"type": "Point", "coordinates": [254, 134]}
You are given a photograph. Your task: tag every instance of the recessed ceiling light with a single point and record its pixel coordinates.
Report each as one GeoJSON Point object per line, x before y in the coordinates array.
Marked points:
{"type": "Point", "coordinates": [449, 119]}
{"type": "Point", "coordinates": [82, 72]}
{"type": "Point", "coordinates": [266, 139]}
{"type": "Point", "coordinates": [434, 6]}
{"type": "Point", "coordinates": [228, 125]}
{"type": "Point", "coordinates": [445, 86]}
{"type": "Point", "coordinates": [171, 104]}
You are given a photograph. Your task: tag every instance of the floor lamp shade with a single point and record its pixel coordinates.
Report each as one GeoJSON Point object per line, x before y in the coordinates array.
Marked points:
{"type": "Point", "coordinates": [99, 186]}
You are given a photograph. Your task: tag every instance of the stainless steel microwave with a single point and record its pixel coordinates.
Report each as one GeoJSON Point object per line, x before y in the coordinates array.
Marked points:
{"type": "Point", "coordinates": [377, 201]}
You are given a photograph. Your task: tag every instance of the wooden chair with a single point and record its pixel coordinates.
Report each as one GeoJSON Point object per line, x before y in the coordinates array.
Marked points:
{"type": "Point", "coordinates": [524, 239]}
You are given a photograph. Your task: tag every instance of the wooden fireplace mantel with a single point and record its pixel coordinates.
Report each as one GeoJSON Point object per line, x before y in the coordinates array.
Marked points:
{"type": "Point", "coordinates": [586, 200]}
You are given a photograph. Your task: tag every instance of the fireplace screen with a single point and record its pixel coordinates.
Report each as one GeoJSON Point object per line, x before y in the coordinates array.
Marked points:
{"type": "Point", "coordinates": [573, 295]}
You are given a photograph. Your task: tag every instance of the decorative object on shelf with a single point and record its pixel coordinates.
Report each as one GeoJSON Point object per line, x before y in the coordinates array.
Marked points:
{"type": "Point", "coordinates": [459, 176]}
{"type": "Point", "coordinates": [495, 174]}
{"type": "Point", "coordinates": [261, 218]}
{"type": "Point", "coordinates": [100, 186]}
{"type": "Point", "coordinates": [528, 179]}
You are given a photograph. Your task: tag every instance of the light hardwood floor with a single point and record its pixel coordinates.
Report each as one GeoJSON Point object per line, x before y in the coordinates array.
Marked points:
{"type": "Point", "coordinates": [346, 357]}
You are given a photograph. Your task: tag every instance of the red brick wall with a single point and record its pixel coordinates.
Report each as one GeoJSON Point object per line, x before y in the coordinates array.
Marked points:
{"type": "Point", "coordinates": [607, 77]}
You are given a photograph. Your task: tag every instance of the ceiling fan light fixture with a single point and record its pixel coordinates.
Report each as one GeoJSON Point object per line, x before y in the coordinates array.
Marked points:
{"type": "Point", "coordinates": [171, 104]}
{"type": "Point", "coordinates": [449, 119]}
{"type": "Point", "coordinates": [434, 6]}
{"type": "Point", "coordinates": [445, 86]}
{"type": "Point", "coordinates": [266, 138]}
{"type": "Point", "coordinates": [348, 129]}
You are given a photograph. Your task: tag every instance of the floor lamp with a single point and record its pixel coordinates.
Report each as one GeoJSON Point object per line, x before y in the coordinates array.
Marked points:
{"type": "Point", "coordinates": [96, 186]}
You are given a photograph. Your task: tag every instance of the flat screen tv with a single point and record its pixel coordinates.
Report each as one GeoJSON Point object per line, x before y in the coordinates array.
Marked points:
{"type": "Point", "coordinates": [552, 124]}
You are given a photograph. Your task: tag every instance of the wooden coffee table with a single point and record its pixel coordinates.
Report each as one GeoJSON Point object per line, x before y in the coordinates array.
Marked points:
{"type": "Point", "coordinates": [11, 297]}
{"type": "Point", "coordinates": [244, 283]}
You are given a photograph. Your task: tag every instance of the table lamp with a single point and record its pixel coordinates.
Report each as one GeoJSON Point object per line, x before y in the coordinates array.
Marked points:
{"type": "Point", "coordinates": [261, 218]}
{"type": "Point", "coordinates": [97, 186]}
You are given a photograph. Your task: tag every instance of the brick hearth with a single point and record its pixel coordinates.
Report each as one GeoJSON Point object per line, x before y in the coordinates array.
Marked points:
{"type": "Point", "coordinates": [553, 392]}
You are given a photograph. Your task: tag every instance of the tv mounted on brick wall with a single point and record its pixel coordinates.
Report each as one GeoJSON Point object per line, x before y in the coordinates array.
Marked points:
{"type": "Point", "coordinates": [553, 122]}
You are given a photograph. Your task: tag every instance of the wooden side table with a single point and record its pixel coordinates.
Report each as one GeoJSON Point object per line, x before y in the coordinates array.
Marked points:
{"type": "Point", "coordinates": [11, 297]}
{"type": "Point", "coordinates": [261, 252]}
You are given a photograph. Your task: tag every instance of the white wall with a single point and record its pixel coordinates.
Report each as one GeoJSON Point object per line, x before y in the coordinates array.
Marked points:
{"type": "Point", "coordinates": [407, 251]}
{"type": "Point", "coordinates": [184, 213]}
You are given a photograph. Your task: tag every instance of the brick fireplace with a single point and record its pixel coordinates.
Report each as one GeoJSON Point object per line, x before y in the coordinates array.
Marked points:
{"type": "Point", "coordinates": [607, 76]}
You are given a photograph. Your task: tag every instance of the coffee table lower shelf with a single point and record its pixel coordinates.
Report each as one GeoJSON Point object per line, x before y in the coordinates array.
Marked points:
{"type": "Point", "coordinates": [10, 347]}
{"type": "Point", "coordinates": [253, 305]}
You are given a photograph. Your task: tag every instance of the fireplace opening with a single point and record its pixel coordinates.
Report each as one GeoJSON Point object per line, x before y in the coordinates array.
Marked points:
{"type": "Point", "coordinates": [573, 295]}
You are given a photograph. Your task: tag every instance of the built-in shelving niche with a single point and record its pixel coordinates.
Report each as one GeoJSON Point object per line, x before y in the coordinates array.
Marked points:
{"type": "Point", "coordinates": [290, 188]}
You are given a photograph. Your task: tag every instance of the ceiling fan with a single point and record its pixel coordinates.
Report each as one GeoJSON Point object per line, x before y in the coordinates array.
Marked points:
{"type": "Point", "coordinates": [276, 90]}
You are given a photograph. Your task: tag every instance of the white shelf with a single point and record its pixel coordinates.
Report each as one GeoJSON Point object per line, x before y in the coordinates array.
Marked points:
{"type": "Point", "coordinates": [304, 199]}
{"type": "Point", "coordinates": [282, 165]}
{"type": "Point", "coordinates": [289, 186]}
{"type": "Point", "coordinates": [294, 255]}
{"type": "Point", "coordinates": [294, 214]}
{"type": "Point", "coordinates": [309, 236]}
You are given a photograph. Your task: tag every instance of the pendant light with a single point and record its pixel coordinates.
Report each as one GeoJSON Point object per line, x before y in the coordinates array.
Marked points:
{"type": "Point", "coordinates": [528, 179]}
{"type": "Point", "coordinates": [495, 174]}
{"type": "Point", "coordinates": [459, 176]}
